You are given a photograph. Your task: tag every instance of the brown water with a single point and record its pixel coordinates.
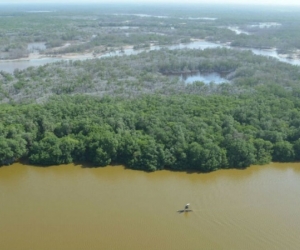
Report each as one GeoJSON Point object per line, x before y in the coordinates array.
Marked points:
{"type": "Point", "coordinates": [69, 207]}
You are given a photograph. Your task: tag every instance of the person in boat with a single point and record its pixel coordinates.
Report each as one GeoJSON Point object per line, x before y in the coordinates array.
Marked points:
{"type": "Point", "coordinates": [186, 209]}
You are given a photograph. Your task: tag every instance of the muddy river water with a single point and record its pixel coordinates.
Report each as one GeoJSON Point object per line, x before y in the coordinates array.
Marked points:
{"type": "Point", "coordinates": [69, 207]}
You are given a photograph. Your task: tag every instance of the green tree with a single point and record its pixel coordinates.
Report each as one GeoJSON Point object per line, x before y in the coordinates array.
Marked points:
{"type": "Point", "coordinates": [47, 151]}
{"type": "Point", "coordinates": [12, 149]}
{"type": "Point", "coordinates": [67, 146]}
{"type": "Point", "coordinates": [240, 153]}
{"type": "Point", "coordinates": [296, 147]}
{"type": "Point", "coordinates": [283, 152]}
{"type": "Point", "coordinates": [148, 155]}
{"type": "Point", "coordinates": [263, 151]}
{"type": "Point", "coordinates": [6, 154]}
{"type": "Point", "coordinates": [206, 158]}
{"type": "Point", "coordinates": [102, 146]}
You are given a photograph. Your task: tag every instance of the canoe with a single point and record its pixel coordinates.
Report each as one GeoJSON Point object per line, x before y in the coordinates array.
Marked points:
{"type": "Point", "coordinates": [184, 210]}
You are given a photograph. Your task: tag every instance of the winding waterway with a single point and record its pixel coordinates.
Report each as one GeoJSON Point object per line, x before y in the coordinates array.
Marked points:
{"type": "Point", "coordinates": [11, 65]}
{"type": "Point", "coordinates": [73, 208]}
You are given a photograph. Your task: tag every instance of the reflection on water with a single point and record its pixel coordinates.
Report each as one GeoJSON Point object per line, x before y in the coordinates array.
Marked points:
{"type": "Point", "coordinates": [69, 207]}
{"type": "Point", "coordinates": [238, 31]}
{"type": "Point", "coordinates": [125, 27]}
{"type": "Point", "coordinates": [265, 25]}
{"type": "Point", "coordinates": [200, 18]}
{"type": "Point", "coordinates": [10, 66]}
{"type": "Point", "coordinates": [273, 53]}
{"type": "Point", "coordinates": [32, 47]}
{"type": "Point", "coordinates": [141, 15]}
{"type": "Point", "coordinates": [202, 77]}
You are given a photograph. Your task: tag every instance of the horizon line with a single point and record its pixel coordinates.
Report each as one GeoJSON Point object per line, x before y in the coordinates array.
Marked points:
{"type": "Point", "coordinates": [150, 2]}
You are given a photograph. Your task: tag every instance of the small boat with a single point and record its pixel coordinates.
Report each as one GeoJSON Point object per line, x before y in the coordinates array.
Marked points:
{"type": "Point", "coordinates": [186, 209]}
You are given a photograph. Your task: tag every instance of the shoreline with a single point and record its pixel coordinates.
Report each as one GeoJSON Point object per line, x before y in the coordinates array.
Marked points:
{"type": "Point", "coordinates": [86, 165]}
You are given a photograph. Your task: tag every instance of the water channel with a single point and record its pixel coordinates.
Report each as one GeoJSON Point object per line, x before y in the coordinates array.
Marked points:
{"type": "Point", "coordinates": [11, 65]}
{"type": "Point", "coordinates": [68, 207]}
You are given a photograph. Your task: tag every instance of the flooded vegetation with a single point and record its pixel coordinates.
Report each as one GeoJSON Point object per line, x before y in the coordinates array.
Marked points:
{"type": "Point", "coordinates": [36, 58]}
{"type": "Point", "coordinates": [73, 35]}
{"type": "Point", "coordinates": [95, 33]}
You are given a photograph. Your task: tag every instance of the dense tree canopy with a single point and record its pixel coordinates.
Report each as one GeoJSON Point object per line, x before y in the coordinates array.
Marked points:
{"type": "Point", "coordinates": [136, 110]}
{"type": "Point", "coordinates": [153, 132]}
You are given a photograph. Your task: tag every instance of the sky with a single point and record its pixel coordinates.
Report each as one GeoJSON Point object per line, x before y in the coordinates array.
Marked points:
{"type": "Point", "coordinates": [256, 2]}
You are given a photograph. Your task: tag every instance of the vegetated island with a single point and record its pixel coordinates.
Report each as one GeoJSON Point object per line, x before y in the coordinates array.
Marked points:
{"type": "Point", "coordinates": [134, 110]}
